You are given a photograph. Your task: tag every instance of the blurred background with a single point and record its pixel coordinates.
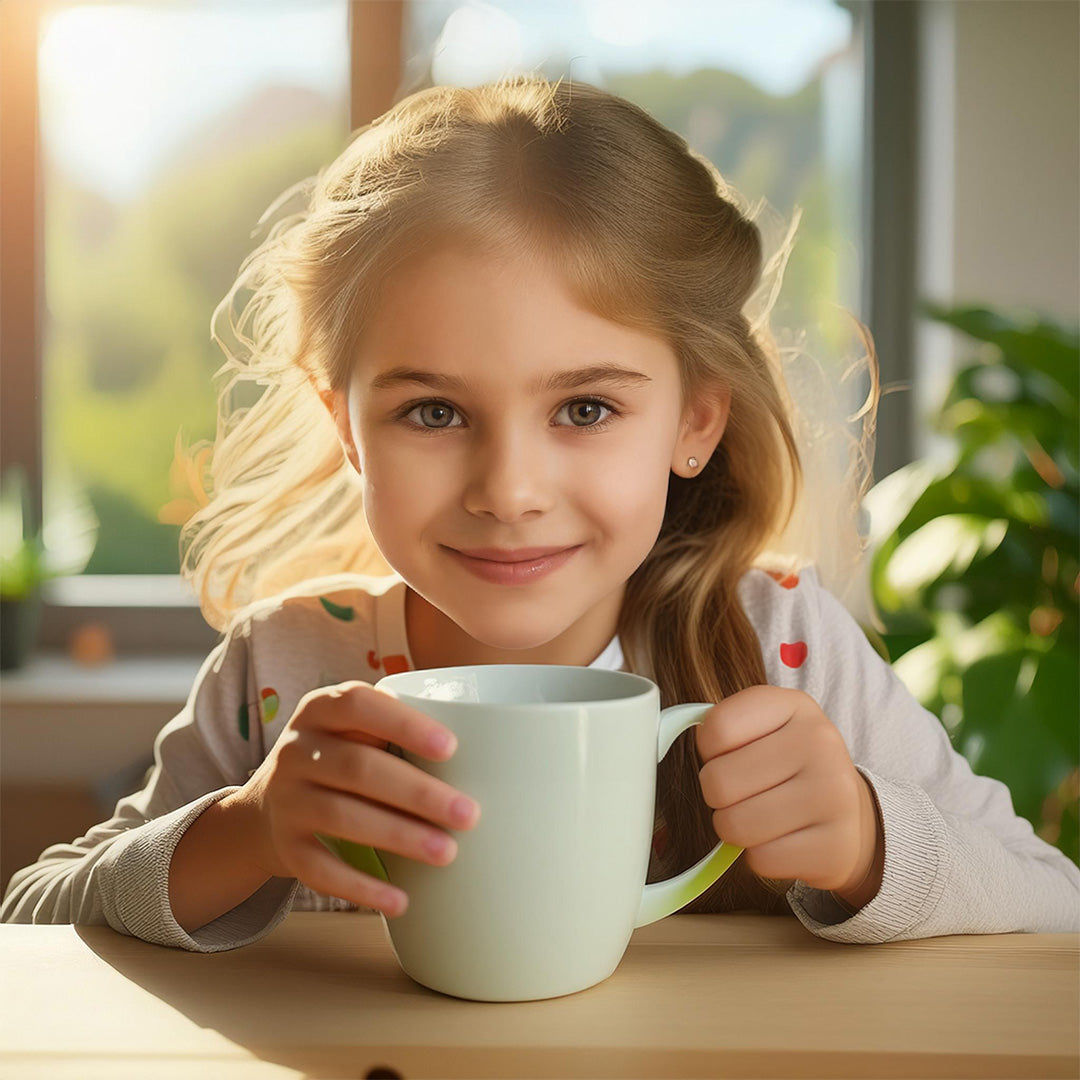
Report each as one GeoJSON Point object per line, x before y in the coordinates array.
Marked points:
{"type": "Point", "coordinates": [932, 146]}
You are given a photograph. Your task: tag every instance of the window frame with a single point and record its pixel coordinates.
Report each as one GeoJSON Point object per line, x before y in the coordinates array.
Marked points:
{"type": "Point", "coordinates": [157, 613]}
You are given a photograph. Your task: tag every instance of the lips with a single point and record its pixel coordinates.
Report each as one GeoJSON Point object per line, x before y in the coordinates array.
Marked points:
{"type": "Point", "coordinates": [506, 555]}
{"type": "Point", "coordinates": [517, 571]}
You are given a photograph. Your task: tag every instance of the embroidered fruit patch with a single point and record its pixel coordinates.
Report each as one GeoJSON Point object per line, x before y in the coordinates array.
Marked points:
{"type": "Point", "coordinates": [269, 703]}
{"type": "Point", "coordinates": [793, 653]}
{"type": "Point", "coordinates": [787, 581]}
{"type": "Point", "coordinates": [390, 664]}
{"type": "Point", "coordinates": [345, 614]}
{"type": "Point", "coordinates": [268, 698]}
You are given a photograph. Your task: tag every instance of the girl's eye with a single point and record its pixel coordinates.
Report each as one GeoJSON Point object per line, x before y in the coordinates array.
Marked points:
{"type": "Point", "coordinates": [439, 411]}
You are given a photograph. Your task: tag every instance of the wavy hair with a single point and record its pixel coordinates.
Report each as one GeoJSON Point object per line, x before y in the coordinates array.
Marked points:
{"type": "Point", "coordinates": [648, 234]}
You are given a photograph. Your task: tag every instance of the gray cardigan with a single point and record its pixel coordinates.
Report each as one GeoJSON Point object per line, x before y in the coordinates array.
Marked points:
{"type": "Point", "coordinates": [958, 859]}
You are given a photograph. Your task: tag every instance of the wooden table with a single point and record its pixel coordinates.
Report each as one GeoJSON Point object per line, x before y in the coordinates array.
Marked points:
{"type": "Point", "coordinates": [695, 996]}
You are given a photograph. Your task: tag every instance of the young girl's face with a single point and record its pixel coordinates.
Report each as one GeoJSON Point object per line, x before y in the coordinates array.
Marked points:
{"type": "Point", "coordinates": [473, 450]}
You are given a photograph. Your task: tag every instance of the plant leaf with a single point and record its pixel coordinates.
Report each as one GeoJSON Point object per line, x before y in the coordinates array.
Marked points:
{"type": "Point", "coordinates": [1038, 343]}
{"type": "Point", "coordinates": [949, 542]}
{"type": "Point", "coordinates": [890, 500]}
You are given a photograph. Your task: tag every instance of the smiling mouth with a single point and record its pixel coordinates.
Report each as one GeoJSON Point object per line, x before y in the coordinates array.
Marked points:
{"type": "Point", "coordinates": [513, 555]}
{"type": "Point", "coordinates": [516, 572]}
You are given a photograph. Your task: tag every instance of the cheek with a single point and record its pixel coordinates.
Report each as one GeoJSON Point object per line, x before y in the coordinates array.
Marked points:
{"type": "Point", "coordinates": [393, 464]}
{"type": "Point", "coordinates": [397, 496]}
{"type": "Point", "coordinates": [629, 499]}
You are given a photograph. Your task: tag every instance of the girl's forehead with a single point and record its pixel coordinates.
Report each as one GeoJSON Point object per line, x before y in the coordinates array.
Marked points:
{"type": "Point", "coordinates": [470, 307]}
{"type": "Point", "coordinates": [450, 266]}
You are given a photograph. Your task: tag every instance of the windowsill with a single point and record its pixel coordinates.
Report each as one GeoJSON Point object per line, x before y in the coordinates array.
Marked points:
{"type": "Point", "coordinates": [111, 590]}
{"type": "Point", "coordinates": [53, 678]}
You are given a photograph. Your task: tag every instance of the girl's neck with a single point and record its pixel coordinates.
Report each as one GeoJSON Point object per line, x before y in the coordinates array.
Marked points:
{"type": "Point", "coordinates": [437, 641]}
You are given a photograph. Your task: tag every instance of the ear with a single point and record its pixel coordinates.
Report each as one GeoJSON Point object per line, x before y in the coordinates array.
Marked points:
{"type": "Point", "coordinates": [703, 423]}
{"type": "Point", "coordinates": [337, 405]}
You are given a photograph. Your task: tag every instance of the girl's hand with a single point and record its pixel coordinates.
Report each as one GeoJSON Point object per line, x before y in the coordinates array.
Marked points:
{"type": "Point", "coordinates": [329, 772]}
{"type": "Point", "coordinates": [781, 782]}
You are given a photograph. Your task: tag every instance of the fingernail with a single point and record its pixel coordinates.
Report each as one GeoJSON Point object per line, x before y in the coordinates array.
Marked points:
{"type": "Point", "coordinates": [438, 844]}
{"type": "Point", "coordinates": [463, 808]}
{"type": "Point", "coordinates": [439, 742]}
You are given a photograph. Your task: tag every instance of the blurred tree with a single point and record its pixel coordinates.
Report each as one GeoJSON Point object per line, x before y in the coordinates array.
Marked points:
{"type": "Point", "coordinates": [129, 359]}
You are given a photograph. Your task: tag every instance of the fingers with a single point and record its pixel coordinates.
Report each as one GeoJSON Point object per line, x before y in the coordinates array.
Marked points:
{"type": "Point", "coordinates": [750, 714]}
{"type": "Point", "coordinates": [353, 818]}
{"type": "Point", "coordinates": [321, 870]}
{"type": "Point", "coordinates": [806, 854]}
{"type": "Point", "coordinates": [360, 769]}
{"type": "Point", "coordinates": [358, 708]}
{"type": "Point", "coordinates": [329, 773]}
{"type": "Point", "coordinates": [786, 808]}
{"type": "Point", "coordinates": [754, 768]}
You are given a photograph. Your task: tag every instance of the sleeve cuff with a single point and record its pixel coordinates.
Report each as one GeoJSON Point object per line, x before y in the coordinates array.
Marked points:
{"type": "Point", "coordinates": [138, 880]}
{"type": "Point", "coordinates": [917, 865]}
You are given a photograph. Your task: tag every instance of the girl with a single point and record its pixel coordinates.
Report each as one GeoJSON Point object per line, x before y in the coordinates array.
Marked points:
{"type": "Point", "coordinates": [520, 316]}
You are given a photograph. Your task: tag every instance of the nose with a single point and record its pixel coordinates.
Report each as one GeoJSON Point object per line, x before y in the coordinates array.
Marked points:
{"type": "Point", "coordinates": [510, 474]}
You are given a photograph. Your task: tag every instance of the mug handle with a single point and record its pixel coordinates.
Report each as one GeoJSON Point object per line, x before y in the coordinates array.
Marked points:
{"type": "Point", "coordinates": [662, 898]}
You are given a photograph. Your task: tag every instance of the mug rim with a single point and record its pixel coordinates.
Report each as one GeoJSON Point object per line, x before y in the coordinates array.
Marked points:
{"type": "Point", "coordinates": [645, 685]}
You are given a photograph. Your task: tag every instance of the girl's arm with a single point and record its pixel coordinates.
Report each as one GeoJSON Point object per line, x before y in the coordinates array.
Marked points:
{"type": "Point", "coordinates": [119, 872]}
{"type": "Point", "coordinates": [958, 859]}
{"type": "Point", "coordinates": [209, 875]}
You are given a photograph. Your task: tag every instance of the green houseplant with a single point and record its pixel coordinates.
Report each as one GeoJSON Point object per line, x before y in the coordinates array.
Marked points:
{"type": "Point", "coordinates": [29, 558]}
{"type": "Point", "coordinates": [975, 568]}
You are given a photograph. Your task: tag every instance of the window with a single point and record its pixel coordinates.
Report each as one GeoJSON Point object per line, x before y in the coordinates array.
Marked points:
{"type": "Point", "coordinates": [770, 91]}
{"type": "Point", "coordinates": [163, 131]}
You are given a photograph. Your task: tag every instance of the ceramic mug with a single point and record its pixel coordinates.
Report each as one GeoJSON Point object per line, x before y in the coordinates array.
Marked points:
{"type": "Point", "coordinates": [547, 888]}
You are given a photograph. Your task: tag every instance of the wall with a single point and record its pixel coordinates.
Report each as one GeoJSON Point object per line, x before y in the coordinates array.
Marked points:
{"type": "Point", "coordinates": [999, 185]}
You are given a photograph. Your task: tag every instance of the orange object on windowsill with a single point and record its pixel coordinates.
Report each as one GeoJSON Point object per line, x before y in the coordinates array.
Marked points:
{"type": "Point", "coordinates": [91, 644]}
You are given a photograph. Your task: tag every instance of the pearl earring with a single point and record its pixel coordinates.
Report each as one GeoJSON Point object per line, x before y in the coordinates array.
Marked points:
{"type": "Point", "coordinates": [692, 462]}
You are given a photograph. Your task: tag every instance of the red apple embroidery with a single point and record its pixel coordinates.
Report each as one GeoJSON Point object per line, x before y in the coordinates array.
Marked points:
{"type": "Point", "coordinates": [788, 582]}
{"type": "Point", "coordinates": [372, 659]}
{"type": "Point", "coordinates": [793, 653]}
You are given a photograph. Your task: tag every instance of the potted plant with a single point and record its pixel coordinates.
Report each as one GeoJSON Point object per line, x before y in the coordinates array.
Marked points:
{"type": "Point", "coordinates": [975, 568]}
{"type": "Point", "coordinates": [29, 559]}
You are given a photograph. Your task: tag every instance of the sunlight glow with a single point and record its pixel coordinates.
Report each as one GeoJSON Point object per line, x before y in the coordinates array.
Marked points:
{"type": "Point", "coordinates": [122, 84]}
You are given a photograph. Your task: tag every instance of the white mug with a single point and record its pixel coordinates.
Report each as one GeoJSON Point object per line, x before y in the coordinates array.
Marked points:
{"type": "Point", "coordinates": [547, 888]}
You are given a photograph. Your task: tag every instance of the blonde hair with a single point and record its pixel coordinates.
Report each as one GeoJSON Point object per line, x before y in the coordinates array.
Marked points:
{"type": "Point", "coordinates": [648, 234]}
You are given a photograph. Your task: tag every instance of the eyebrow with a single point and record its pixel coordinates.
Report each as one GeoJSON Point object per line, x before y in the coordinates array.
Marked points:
{"type": "Point", "coordinates": [605, 372]}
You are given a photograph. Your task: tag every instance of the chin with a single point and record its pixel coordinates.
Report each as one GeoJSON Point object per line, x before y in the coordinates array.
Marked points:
{"type": "Point", "coordinates": [513, 640]}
